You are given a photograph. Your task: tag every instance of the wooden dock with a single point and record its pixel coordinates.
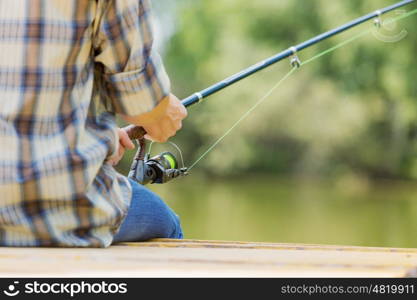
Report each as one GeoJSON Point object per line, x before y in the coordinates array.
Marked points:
{"type": "Point", "coordinates": [195, 258]}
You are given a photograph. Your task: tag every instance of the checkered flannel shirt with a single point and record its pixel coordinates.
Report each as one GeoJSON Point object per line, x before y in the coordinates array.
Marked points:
{"type": "Point", "coordinates": [66, 68]}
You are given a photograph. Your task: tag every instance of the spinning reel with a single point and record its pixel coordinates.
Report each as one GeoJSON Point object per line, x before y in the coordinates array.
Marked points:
{"type": "Point", "coordinates": [158, 169]}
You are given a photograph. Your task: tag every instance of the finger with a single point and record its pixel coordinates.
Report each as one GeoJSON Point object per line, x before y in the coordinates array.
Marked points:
{"type": "Point", "coordinates": [154, 136]}
{"type": "Point", "coordinates": [125, 139]}
{"type": "Point", "coordinates": [112, 161]}
{"type": "Point", "coordinates": [179, 112]}
{"type": "Point", "coordinates": [170, 128]}
{"type": "Point", "coordinates": [184, 111]}
{"type": "Point", "coordinates": [178, 125]}
{"type": "Point", "coordinates": [181, 109]}
{"type": "Point", "coordinates": [121, 152]}
{"type": "Point", "coordinates": [157, 139]}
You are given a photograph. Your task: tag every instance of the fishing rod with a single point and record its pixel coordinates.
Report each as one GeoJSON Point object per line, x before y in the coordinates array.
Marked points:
{"type": "Point", "coordinates": [164, 167]}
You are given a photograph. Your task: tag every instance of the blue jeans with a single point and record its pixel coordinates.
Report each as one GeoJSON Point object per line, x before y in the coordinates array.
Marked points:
{"type": "Point", "coordinates": [148, 217]}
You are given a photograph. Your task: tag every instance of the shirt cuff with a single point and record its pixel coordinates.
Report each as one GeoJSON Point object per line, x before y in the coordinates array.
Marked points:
{"type": "Point", "coordinates": [139, 91]}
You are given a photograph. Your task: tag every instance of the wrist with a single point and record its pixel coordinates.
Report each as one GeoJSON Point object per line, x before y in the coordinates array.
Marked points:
{"type": "Point", "coordinates": [152, 117]}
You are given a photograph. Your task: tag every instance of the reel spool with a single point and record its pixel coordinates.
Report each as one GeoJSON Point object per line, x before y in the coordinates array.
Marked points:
{"type": "Point", "coordinates": [159, 169]}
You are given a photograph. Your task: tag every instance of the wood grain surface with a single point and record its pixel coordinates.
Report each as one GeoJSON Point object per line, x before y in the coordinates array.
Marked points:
{"type": "Point", "coordinates": [195, 258]}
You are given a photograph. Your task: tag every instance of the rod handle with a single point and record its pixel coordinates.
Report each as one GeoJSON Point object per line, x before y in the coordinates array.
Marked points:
{"type": "Point", "coordinates": [135, 132]}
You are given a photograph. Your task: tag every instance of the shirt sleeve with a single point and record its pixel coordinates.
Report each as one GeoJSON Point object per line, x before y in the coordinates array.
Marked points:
{"type": "Point", "coordinates": [133, 75]}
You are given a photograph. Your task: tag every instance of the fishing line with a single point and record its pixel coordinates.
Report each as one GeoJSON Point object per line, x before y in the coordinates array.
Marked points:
{"type": "Point", "coordinates": [263, 98]}
{"type": "Point", "coordinates": [243, 117]}
{"type": "Point", "coordinates": [179, 151]}
{"type": "Point", "coordinates": [173, 145]}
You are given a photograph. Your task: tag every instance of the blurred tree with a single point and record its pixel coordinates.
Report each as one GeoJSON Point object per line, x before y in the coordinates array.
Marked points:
{"type": "Point", "coordinates": [352, 111]}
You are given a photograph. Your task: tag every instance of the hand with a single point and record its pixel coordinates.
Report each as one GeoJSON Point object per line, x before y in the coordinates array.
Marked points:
{"type": "Point", "coordinates": [163, 121]}
{"type": "Point", "coordinates": [124, 142]}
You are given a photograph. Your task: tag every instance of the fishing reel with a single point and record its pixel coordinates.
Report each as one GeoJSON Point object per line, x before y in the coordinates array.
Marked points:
{"type": "Point", "coordinates": [159, 169]}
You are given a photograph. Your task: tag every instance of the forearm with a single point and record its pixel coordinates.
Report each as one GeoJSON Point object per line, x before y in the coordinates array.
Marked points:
{"type": "Point", "coordinates": [150, 117]}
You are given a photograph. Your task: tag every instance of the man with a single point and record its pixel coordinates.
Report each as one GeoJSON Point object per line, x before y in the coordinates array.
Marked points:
{"type": "Point", "coordinates": [66, 69]}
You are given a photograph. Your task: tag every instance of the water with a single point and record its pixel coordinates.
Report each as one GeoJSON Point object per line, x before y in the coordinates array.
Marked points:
{"type": "Point", "coordinates": [350, 211]}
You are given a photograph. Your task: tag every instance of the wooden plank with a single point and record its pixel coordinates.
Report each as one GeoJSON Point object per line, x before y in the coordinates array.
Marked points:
{"type": "Point", "coordinates": [193, 258]}
{"type": "Point", "coordinates": [261, 245]}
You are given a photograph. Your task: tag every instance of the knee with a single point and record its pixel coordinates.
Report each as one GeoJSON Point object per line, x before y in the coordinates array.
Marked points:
{"type": "Point", "coordinates": [168, 224]}
{"type": "Point", "coordinates": [157, 219]}
{"type": "Point", "coordinates": [176, 232]}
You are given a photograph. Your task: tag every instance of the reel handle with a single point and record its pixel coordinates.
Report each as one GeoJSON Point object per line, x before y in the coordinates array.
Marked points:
{"type": "Point", "coordinates": [158, 169]}
{"type": "Point", "coordinates": [135, 132]}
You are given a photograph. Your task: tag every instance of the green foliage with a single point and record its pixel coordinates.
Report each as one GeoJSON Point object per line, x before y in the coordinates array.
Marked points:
{"type": "Point", "coordinates": [350, 112]}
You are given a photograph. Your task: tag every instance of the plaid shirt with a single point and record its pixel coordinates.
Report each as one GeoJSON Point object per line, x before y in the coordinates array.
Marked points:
{"type": "Point", "coordinates": [66, 68]}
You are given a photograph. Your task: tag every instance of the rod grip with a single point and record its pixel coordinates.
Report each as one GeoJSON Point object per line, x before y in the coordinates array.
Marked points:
{"type": "Point", "coordinates": [135, 132]}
